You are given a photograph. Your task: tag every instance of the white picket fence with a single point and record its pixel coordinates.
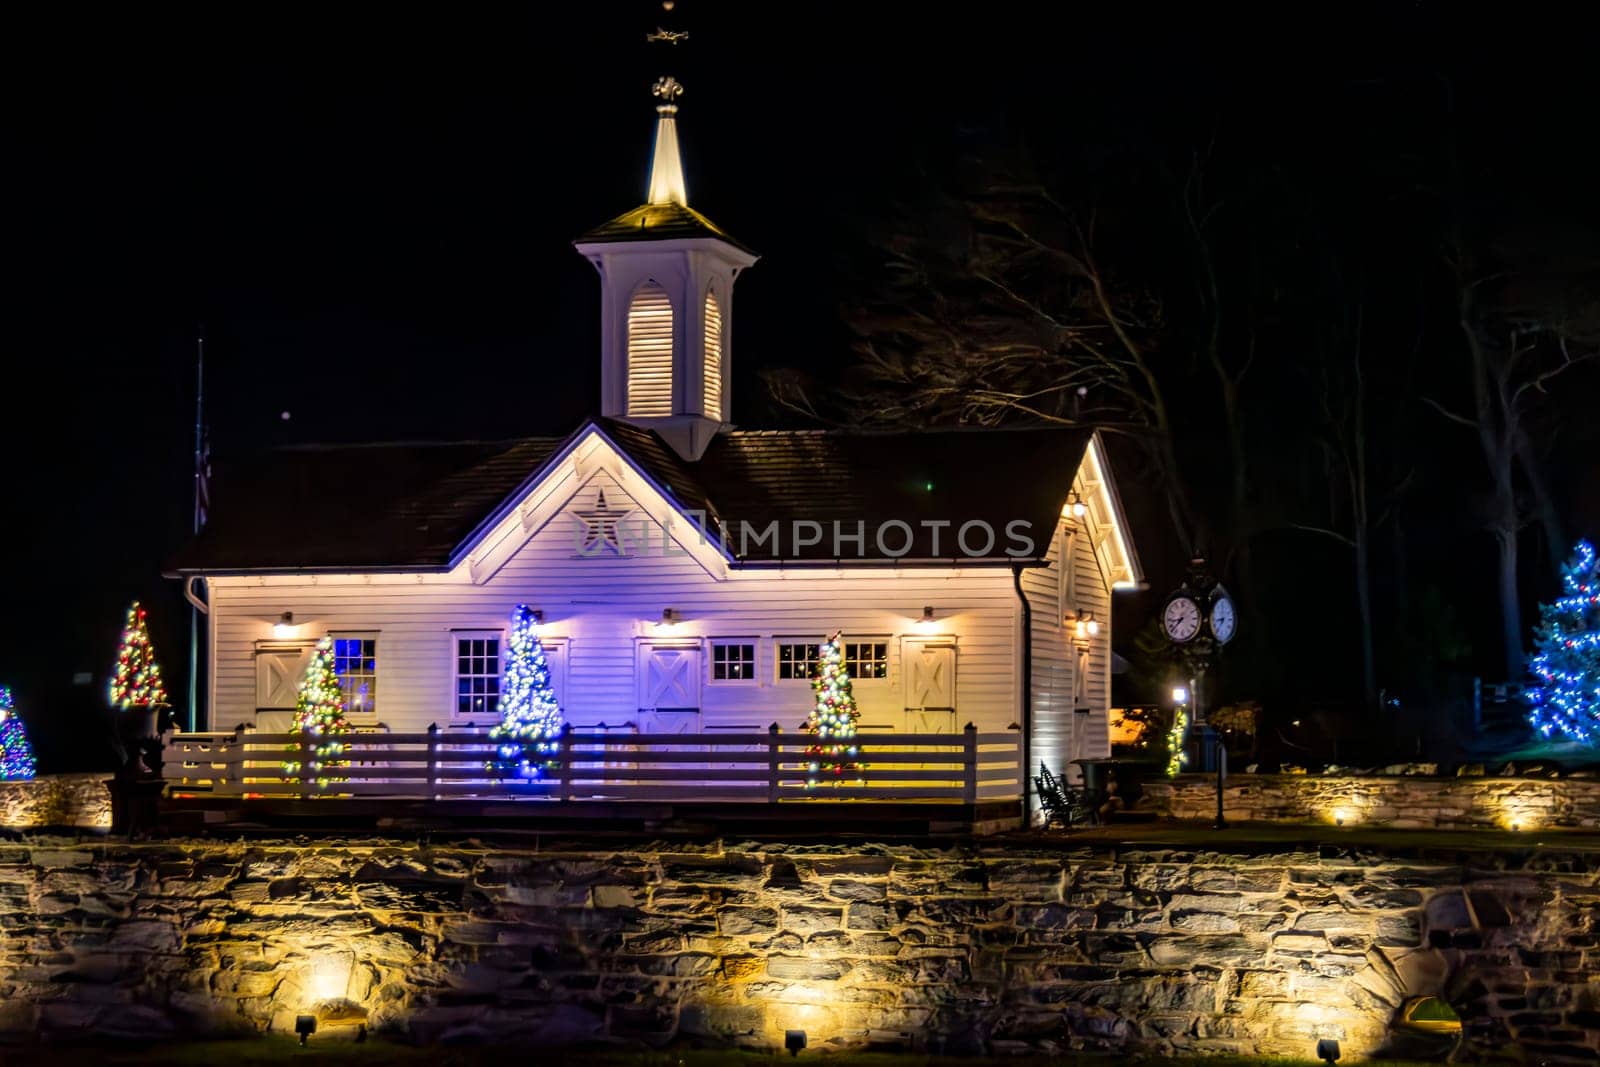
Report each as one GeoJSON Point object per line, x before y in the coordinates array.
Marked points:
{"type": "Point", "coordinates": [763, 767]}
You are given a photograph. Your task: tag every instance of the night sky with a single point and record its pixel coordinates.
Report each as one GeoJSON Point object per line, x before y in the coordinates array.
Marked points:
{"type": "Point", "coordinates": [370, 210]}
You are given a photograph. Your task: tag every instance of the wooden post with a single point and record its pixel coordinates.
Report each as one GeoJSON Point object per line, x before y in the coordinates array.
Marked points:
{"type": "Point", "coordinates": [308, 781]}
{"type": "Point", "coordinates": [564, 767]}
{"type": "Point", "coordinates": [235, 770]}
{"type": "Point", "coordinates": [773, 756]}
{"type": "Point", "coordinates": [433, 759]}
{"type": "Point", "coordinates": [969, 764]}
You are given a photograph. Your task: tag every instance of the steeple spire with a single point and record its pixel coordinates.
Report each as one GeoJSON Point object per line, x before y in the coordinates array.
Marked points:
{"type": "Point", "coordinates": [666, 165]}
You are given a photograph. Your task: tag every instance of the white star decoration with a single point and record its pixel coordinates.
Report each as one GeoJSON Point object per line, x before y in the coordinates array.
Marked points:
{"type": "Point", "coordinates": [598, 528]}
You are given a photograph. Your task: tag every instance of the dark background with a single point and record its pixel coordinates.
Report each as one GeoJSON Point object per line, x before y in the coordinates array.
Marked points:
{"type": "Point", "coordinates": [370, 211]}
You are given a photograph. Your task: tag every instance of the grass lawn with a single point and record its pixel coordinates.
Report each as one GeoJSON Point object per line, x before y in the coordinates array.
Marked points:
{"type": "Point", "coordinates": [277, 1051]}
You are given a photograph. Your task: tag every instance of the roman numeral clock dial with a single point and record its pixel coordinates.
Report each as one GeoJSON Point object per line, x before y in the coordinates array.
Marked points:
{"type": "Point", "coordinates": [1181, 619]}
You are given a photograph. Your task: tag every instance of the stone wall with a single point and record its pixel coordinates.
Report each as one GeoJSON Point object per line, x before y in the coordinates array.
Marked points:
{"type": "Point", "coordinates": [999, 947]}
{"type": "Point", "coordinates": [1408, 802]}
{"type": "Point", "coordinates": [57, 801]}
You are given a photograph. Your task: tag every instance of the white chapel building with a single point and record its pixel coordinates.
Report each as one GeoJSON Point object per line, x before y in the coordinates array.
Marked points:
{"type": "Point", "coordinates": [685, 571]}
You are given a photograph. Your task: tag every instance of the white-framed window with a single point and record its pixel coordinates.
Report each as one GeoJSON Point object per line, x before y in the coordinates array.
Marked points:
{"type": "Point", "coordinates": [796, 660]}
{"type": "Point", "coordinates": [866, 660]}
{"type": "Point", "coordinates": [355, 657]}
{"type": "Point", "coordinates": [478, 666]}
{"type": "Point", "coordinates": [733, 659]}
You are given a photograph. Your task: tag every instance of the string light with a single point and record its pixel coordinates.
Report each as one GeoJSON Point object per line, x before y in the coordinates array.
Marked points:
{"type": "Point", "coordinates": [319, 718]}
{"type": "Point", "coordinates": [136, 682]}
{"type": "Point", "coordinates": [16, 755]}
{"type": "Point", "coordinates": [833, 719]}
{"type": "Point", "coordinates": [1566, 700]}
{"type": "Point", "coordinates": [530, 718]}
{"type": "Point", "coordinates": [1177, 752]}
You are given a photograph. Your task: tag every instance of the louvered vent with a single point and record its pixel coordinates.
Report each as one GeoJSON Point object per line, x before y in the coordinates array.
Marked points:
{"type": "Point", "coordinates": [713, 360]}
{"type": "Point", "coordinates": [650, 351]}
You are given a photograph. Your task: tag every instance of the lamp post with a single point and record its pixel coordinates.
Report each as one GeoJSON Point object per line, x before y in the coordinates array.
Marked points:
{"type": "Point", "coordinates": [1199, 618]}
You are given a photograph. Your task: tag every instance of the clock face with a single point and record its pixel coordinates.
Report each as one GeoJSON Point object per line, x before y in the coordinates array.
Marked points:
{"type": "Point", "coordinates": [1222, 620]}
{"type": "Point", "coordinates": [1181, 620]}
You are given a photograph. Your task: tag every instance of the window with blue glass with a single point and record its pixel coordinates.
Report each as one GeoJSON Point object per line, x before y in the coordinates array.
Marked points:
{"type": "Point", "coordinates": [477, 674]}
{"type": "Point", "coordinates": [356, 660]}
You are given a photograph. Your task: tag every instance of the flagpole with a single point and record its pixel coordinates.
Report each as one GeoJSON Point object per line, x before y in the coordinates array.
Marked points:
{"type": "Point", "coordinates": [199, 423]}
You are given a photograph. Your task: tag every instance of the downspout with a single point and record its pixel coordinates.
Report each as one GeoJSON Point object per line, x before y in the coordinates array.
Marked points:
{"type": "Point", "coordinates": [1026, 716]}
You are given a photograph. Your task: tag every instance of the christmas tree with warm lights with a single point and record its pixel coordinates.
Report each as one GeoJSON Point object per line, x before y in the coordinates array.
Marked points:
{"type": "Point", "coordinates": [136, 682]}
{"type": "Point", "coordinates": [1565, 702]}
{"type": "Point", "coordinates": [833, 718]}
{"type": "Point", "coordinates": [319, 721]}
{"type": "Point", "coordinates": [16, 755]}
{"type": "Point", "coordinates": [530, 718]}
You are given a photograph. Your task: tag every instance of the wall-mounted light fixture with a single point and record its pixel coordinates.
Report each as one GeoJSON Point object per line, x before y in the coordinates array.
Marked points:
{"type": "Point", "coordinates": [669, 618]}
{"type": "Point", "coordinates": [283, 629]}
{"type": "Point", "coordinates": [1083, 627]}
{"type": "Point", "coordinates": [538, 616]}
{"type": "Point", "coordinates": [1180, 695]}
{"type": "Point", "coordinates": [927, 619]}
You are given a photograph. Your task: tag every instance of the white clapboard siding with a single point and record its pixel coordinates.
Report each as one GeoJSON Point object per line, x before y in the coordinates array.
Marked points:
{"type": "Point", "coordinates": [650, 351]}
{"type": "Point", "coordinates": [603, 607]}
{"type": "Point", "coordinates": [1060, 732]}
{"type": "Point", "coordinates": [713, 356]}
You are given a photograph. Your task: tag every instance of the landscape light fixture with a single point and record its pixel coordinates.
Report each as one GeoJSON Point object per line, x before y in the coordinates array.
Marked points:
{"type": "Point", "coordinates": [305, 1026]}
{"type": "Point", "coordinates": [1328, 1050]}
{"type": "Point", "coordinates": [283, 629]}
{"type": "Point", "coordinates": [794, 1041]}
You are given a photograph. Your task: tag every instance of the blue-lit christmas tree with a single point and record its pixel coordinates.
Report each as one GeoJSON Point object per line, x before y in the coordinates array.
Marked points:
{"type": "Point", "coordinates": [1565, 702]}
{"type": "Point", "coordinates": [530, 718]}
{"type": "Point", "coordinates": [16, 755]}
{"type": "Point", "coordinates": [833, 718]}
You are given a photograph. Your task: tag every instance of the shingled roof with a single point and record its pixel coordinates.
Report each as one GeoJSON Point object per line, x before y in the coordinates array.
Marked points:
{"type": "Point", "coordinates": [413, 506]}
{"type": "Point", "coordinates": [657, 222]}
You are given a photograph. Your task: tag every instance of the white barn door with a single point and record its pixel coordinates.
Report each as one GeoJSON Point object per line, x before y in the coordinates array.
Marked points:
{"type": "Point", "coordinates": [930, 687]}
{"type": "Point", "coordinates": [280, 668]}
{"type": "Point", "coordinates": [669, 689]}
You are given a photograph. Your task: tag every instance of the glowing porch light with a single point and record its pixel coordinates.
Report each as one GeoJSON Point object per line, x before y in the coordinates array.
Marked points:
{"type": "Point", "coordinates": [284, 628]}
{"type": "Point", "coordinates": [669, 619]}
{"type": "Point", "coordinates": [1180, 695]}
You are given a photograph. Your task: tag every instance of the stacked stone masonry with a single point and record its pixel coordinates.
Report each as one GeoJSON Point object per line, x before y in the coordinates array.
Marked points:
{"type": "Point", "coordinates": [61, 800]}
{"type": "Point", "coordinates": [994, 948]}
{"type": "Point", "coordinates": [1410, 802]}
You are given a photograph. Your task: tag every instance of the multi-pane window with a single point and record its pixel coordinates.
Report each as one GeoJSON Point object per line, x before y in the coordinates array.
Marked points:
{"type": "Point", "coordinates": [796, 660]}
{"type": "Point", "coordinates": [356, 660]}
{"type": "Point", "coordinates": [477, 674]}
{"type": "Point", "coordinates": [732, 661]}
{"type": "Point", "coordinates": [867, 659]}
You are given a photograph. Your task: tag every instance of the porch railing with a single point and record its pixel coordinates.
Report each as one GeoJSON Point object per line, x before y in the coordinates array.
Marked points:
{"type": "Point", "coordinates": [760, 767]}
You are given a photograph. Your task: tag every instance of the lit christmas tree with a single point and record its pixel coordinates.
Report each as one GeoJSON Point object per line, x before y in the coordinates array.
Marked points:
{"type": "Point", "coordinates": [319, 715]}
{"type": "Point", "coordinates": [833, 719]}
{"type": "Point", "coordinates": [16, 755]}
{"type": "Point", "coordinates": [530, 718]}
{"type": "Point", "coordinates": [137, 680]}
{"type": "Point", "coordinates": [1565, 704]}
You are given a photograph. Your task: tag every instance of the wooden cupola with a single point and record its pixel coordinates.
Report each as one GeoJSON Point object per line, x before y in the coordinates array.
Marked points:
{"type": "Point", "coordinates": [666, 277]}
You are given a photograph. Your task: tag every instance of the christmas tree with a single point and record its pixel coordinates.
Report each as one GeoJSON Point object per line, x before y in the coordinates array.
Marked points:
{"type": "Point", "coordinates": [1565, 704]}
{"type": "Point", "coordinates": [16, 755]}
{"type": "Point", "coordinates": [833, 719]}
{"type": "Point", "coordinates": [530, 718]}
{"type": "Point", "coordinates": [319, 716]}
{"type": "Point", "coordinates": [137, 681]}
